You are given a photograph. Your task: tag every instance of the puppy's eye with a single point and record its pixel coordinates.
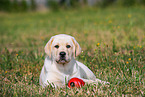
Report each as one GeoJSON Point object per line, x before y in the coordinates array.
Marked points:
{"type": "Point", "coordinates": [56, 46]}
{"type": "Point", "coordinates": [68, 46]}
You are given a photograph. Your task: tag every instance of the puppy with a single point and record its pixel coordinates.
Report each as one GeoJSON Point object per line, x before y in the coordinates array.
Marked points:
{"type": "Point", "coordinates": [60, 64]}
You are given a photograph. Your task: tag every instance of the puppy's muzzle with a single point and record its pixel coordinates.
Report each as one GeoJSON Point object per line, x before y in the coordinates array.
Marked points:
{"type": "Point", "coordinates": [62, 58]}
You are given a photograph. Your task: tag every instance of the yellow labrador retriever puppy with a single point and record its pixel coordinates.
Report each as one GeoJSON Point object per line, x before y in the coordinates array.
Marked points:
{"type": "Point", "coordinates": [60, 64]}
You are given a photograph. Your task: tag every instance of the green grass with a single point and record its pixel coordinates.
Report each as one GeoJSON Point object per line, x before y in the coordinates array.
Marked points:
{"type": "Point", "coordinates": [112, 40]}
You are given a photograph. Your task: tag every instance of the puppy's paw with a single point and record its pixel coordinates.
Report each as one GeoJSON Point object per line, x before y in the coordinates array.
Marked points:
{"type": "Point", "coordinates": [102, 82]}
{"type": "Point", "coordinates": [105, 83]}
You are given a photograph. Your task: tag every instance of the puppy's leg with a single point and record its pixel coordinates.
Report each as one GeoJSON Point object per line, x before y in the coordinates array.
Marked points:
{"type": "Point", "coordinates": [88, 81]}
{"type": "Point", "coordinates": [96, 81]}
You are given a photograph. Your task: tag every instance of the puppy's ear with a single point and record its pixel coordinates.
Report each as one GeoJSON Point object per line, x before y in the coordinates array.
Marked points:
{"type": "Point", "coordinates": [48, 47]}
{"type": "Point", "coordinates": [77, 48]}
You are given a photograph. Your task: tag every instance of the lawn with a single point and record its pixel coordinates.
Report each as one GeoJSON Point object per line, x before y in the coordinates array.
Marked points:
{"type": "Point", "coordinates": [112, 40]}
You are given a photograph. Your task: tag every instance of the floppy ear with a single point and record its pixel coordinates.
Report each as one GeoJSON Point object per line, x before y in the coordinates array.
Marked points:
{"type": "Point", "coordinates": [77, 48]}
{"type": "Point", "coordinates": [48, 47]}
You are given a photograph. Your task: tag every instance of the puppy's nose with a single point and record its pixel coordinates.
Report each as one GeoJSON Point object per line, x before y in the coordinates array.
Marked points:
{"type": "Point", "coordinates": [62, 54]}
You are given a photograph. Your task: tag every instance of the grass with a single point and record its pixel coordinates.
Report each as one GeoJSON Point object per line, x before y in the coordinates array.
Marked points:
{"type": "Point", "coordinates": [112, 41]}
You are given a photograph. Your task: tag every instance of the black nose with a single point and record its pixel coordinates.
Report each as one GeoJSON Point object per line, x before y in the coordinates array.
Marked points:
{"type": "Point", "coordinates": [62, 54]}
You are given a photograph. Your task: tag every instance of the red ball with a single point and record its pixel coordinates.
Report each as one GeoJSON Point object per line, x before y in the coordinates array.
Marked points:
{"type": "Point", "coordinates": [75, 82]}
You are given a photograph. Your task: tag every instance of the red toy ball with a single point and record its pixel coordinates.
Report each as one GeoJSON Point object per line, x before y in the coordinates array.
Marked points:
{"type": "Point", "coordinates": [75, 82]}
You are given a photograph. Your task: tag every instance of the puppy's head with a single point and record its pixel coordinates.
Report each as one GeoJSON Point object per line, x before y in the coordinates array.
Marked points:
{"type": "Point", "coordinates": [62, 48]}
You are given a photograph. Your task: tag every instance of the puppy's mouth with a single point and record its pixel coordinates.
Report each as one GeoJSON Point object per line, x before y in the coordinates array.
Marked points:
{"type": "Point", "coordinates": [62, 60]}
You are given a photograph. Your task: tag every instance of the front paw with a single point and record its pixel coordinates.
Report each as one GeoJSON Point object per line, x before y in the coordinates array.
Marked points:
{"type": "Point", "coordinates": [105, 83]}
{"type": "Point", "coordinates": [102, 82]}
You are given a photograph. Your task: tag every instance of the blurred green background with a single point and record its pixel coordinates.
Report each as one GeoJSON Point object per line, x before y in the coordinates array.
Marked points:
{"type": "Point", "coordinates": [31, 5]}
{"type": "Point", "coordinates": [27, 23]}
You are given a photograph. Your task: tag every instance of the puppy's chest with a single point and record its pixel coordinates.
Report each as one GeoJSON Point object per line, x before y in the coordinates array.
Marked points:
{"type": "Point", "coordinates": [64, 76]}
